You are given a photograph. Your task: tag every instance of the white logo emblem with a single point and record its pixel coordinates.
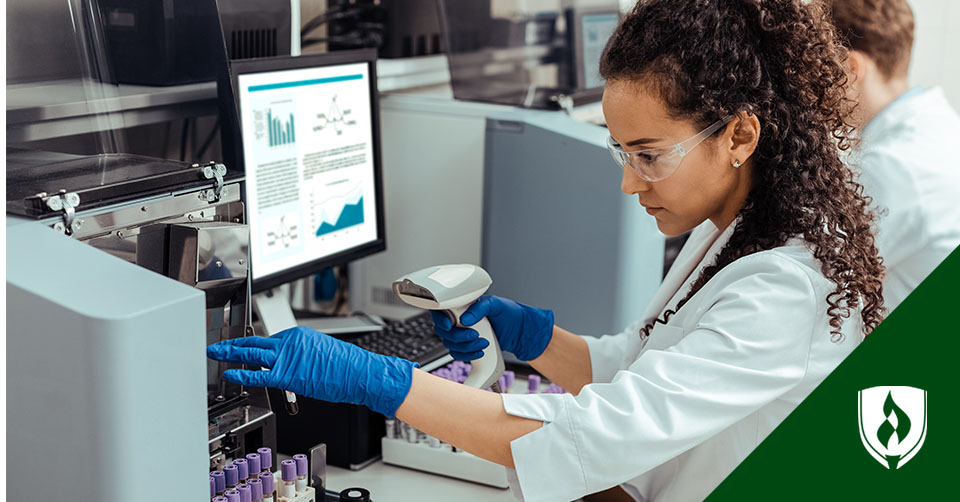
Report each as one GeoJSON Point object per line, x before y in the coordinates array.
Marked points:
{"type": "Point", "coordinates": [893, 423]}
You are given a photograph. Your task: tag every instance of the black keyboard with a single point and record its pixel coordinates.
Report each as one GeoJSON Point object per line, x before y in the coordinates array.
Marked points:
{"type": "Point", "coordinates": [412, 339]}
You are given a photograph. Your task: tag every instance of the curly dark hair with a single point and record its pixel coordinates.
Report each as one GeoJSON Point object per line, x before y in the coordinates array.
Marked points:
{"type": "Point", "coordinates": [779, 60]}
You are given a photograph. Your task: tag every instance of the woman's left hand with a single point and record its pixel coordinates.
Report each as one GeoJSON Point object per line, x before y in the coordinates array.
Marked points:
{"type": "Point", "coordinates": [309, 363]}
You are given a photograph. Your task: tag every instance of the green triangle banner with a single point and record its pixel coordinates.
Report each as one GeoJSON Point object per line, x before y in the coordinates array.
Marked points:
{"type": "Point", "coordinates": [884, 424]}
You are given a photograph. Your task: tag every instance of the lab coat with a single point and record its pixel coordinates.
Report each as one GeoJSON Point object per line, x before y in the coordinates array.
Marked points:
{"type": "Point", "coordinates": [674, 414]}
{"type": "Point", "coordinates": [911, 169]}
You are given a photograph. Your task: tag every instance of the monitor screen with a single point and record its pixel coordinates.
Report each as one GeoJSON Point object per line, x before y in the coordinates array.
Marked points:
{"type": "Point", "coordinates": [311, 158]}
{"type": "Point", "coordinates": [596, 30]}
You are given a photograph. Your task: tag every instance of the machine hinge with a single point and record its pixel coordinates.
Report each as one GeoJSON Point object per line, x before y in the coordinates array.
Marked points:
{"type": "Point", "coordinates": [61, 202]}
{"type": "Point", "coordinates": [212, 171]}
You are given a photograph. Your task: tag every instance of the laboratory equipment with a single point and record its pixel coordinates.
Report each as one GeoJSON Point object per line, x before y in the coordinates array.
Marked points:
{"type": "Point", "coordinates": [162, 247]}
{"type": "Point", "coordinates": [589, 29]}
{"type": "Point", "coordinates": [452, 289]}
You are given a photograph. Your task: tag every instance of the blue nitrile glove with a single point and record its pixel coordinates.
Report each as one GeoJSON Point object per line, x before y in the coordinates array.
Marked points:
{"type": "Point", "coordinates": [316, 365]}
{"type": "Point", "coordinates": [520, 329]}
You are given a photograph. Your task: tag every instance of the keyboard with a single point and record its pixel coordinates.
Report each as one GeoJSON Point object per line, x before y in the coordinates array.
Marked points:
{"type": "Point", "coordinates": [412, 339]}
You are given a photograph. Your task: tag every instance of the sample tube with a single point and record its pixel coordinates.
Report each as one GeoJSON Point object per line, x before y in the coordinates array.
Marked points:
{"type": "Point", "coordinates": [390, 423]}
{"type": "Point", "coordinates": [219, 499]}
{"type": "Point", "coordinates": [509, 377]}
{"type": "Point", "coordinates": [256, 489]}
{"type": "Point", "coordinates": [533, 384]}
{"type": "Point", "coordinates": [245, 494]}
{"type": "Point", "coordinates": [220, 479]}
{"type": "Point", "coordinates": [434, 442]}
{"type": "Point", "coordinates": [301, 460]}
{"type": "Point", "coordinates": [243, 469]}
{"type": "Point", "coordinates": [288, 477]}
{"type": "Point", "coordinates": [266, 478]}
{"type": "Point", "coordinates": [213, 487]}
{"type": "Point", "coordinates": [232, 474]}
{"type": "Point", "coordinates": [266, 460]}
{"type": "Point", "coordinates": [232, 495]}
{"type": "Point", "coordinates": [253, 465]}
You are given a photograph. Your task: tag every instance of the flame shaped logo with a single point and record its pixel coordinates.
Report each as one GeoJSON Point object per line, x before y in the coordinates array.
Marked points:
{"type": "Point", "coordinates": [892, 431]}
{"type": "Point", "coordinates": [888, 431]}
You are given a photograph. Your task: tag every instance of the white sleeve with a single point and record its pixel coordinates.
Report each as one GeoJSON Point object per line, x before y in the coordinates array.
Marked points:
{"type": "Point", "coordinates": [897, 204]}
{"type": "Point", "coordinates": [607, 352]}
{"type": "Point", "coordinates": [748, 349]}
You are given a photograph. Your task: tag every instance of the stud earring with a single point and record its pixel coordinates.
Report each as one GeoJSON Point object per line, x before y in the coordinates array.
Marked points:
{"type": "Point", "coordinates": [736, 164]}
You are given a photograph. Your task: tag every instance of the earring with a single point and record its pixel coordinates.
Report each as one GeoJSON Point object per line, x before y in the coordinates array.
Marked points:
{"type": "Point", "coordinates": [736, 164]}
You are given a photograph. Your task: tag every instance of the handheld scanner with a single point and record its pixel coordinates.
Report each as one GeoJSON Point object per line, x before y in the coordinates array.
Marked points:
{"type": "Point", "coordinates": [452, 289]}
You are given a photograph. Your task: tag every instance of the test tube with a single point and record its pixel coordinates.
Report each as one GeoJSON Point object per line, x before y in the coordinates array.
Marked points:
{"type": "Point", "coordinates": [256, 489]}
{"type": "Point", "coordinates": [213, 487]}
{"type": "Point", "coordinates": [219, 499]}
{"type": "Point", "coordinates": [509, 376]}
{"type": "Point", "coordinates": [244, 490]}
{"type": "Point", "coordinates": [288, 477]}
{"type": "Point", "coordinates": [220, 480]}
{"type": "Point", "coordinates": [266, 478]}
{"type": "Point", "coordinates": [266, 460]}
{"type": "Point", "coordinates": [301, 460]}
{"type": "Point", "coordinates": [390, 425]}
{"type": "Point", "coordinates": [243, 469]}
{"type": "Point", "coordinates": [232, 474]}
{"type": "Point", "coordinates": [253, 465]}
{"type": "Point", "coordinates": [533, 384]}
{"type": "Point", "coordinates": [232, 495]}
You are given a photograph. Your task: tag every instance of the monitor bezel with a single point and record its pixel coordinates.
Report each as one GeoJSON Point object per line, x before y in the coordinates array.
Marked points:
{"type": "Point", "coordinates": [261, 65]}
{"type": "Point", "coordinates": [579, 65]}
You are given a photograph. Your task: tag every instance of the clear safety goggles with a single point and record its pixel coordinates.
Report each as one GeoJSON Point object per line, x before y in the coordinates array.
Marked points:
{"type": "Point", "coordinates": [655, 164]}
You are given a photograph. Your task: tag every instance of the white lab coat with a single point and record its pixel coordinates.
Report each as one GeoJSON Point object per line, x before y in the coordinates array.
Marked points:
{"type": "Point", "coordinates": [911, 169]}
{"type": "Point", "coordinates": [673, 415]}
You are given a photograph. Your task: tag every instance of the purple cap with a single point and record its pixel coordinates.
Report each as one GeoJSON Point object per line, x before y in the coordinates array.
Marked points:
{"type": "Point", "coordinates": [232, 474]}
{"type": "Point", "coordinates": [509, 376]}
{"type": "Point", "coordinates": [301, 461]}
{"type": "Point", "coordinates": [266, 462]}
{"type": "Point", "coordinates": [232, 495]}
{"type": "Point", "coordinates": [533, 384]}
{"type": "Point", "coordinates": [502, 381]}
{"type": "Point", "coordinates": [253, 463]}
{"type": "Point", "coordinates": [256, 489]}
{"type": "Point", "coordinates": [288, 470]}
{"type": "Point", "coordinates": [213, 487]}
{"type": "Point", "coordinates": [219, 499]}
{"type": "Point", "coordinates": [220, 479]}
{"type": "Point", "coordinates": [267, 479]}
{"type": "Point", "coordinates": [243, 468]}
{"type": "Point", "coordinates": [244, 493]}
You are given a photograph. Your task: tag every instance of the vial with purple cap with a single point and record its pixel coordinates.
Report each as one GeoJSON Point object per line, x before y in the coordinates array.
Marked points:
{"type": "Point", "coordinates": [266, 459]}
{"type": "Point", "coordinates": [253, 465]}
{"type": "Point", "coordinates": [288, 479]}
{"type": "Point", "coordinates": [219, 499]}
{"type": "Point", "coordinates": [266, 478]}
{"type": "Point", "coordinates": [232, 474]}
{"type": "Point", "coordinates": [220, 480]}
{"type": "Point", "coordinates": [232, 495]}
{"type": "Point", "coordinates": [243, 469]}
{"type": "Point", "coordinates": [244, 490]}
{"type": "Point", "coordinates": [533, 384]}
{"type": "Point", "coordinates": [301, 461]}
{"type": "Point", "coordinates": [256, 489]}
{"type": "Point", "coordinates": [213, 487]}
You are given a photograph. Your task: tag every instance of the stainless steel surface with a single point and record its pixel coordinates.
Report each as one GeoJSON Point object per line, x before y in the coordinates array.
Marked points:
{"type": "Point", "coordinates": [218, 247]}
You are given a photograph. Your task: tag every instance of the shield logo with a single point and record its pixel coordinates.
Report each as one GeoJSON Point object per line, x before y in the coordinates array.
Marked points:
{"type": "Point", "coordinates": [893, 423]}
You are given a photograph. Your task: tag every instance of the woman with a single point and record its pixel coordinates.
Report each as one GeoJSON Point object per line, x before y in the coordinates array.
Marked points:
{"type": "Point", "coordinates": [725, 115]}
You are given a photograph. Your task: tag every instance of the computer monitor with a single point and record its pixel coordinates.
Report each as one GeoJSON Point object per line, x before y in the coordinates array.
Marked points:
{"type": "Point", "coordinates": [591, 29]}
{"type": "Point", "coordinates": [310, 136]}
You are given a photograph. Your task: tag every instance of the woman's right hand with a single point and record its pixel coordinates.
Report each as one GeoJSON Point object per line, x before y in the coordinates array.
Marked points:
{"type": "Point", "coordinates": [525, 331]}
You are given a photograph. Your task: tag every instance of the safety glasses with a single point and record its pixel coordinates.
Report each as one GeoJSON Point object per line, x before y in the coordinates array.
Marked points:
{"type": "Point", "coordinates": [655, 164]}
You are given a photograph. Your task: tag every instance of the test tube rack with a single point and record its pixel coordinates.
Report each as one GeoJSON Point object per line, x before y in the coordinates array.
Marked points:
{"type": "Point", "coordinates": [308, 495]}
{"type": "Point", "coordinates": [405, 446]}
{"type": "Point", "coordinates": [443, 459]}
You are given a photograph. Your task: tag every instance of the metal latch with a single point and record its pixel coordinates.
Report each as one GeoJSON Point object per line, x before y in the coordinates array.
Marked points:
{"type": "Point", "coordinates": [61, 201]}
{"type": "Point", "coordinates": [212, 171]}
